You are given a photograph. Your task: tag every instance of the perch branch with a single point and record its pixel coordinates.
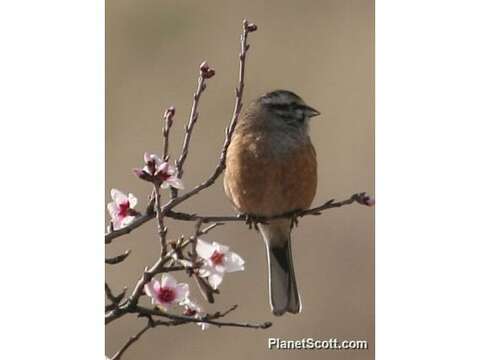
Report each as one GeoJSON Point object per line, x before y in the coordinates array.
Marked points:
{"type": "Point", "coordinates": [360, 198]}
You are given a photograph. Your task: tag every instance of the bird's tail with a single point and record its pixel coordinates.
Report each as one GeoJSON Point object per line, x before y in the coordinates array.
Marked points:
{"type": "Point", "coordinates": [283, 287]}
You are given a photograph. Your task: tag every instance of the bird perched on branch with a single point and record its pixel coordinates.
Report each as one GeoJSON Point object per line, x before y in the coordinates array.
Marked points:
{"type": "Point", "coordinates": [271, 169]}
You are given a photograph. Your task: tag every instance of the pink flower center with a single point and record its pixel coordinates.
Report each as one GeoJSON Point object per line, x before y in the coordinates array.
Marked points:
{"type": "Point", "coordinates": [151, 165]}
{"type": "Point", "coordinates": [123, 209]}
{"type": "Point", "coordinates": [166, 295]}
{"type": "Point", "coordinates": [217, 258]}
{"type": "Point", "coordinates": [189, 312]}
{"type": "Point", "coordinates": [164, 175]}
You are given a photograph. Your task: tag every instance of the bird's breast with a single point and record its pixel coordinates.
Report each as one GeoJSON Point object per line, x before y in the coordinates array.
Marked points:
{"type": "Point", "coordinates": [270, 174]}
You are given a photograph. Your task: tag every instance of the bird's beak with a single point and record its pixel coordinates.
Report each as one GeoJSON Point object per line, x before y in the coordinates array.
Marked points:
{"type": "Point", "coordinates": [310, 112]}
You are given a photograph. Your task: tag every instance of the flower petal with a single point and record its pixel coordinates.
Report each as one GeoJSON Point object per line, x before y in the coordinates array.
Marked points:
{"type": "Point", "coordinates": [182, 290]}
{"type": "Point", "coordinates": [146, 157]}
{"type": "Point", "coordinates": [205, 271]}
{"type": "Point", "coordinates": [156, 285]}
{"type": "Point", "coordinates": [118, 196]}
{"type": "Point", "coordinates": [215, 279]}
{"type": "Point", "coordinates": [117, 224]}
{"type": "Point", "coordinates": [221, 248]}
{"type": "Point", "coordinates": [112, 210]}
{"type": "Point", "coordinates": [156, 158]}
{"type": "Point", "coordinates": [168, 281]}
{"type": "Point", "coordinates": [151, 291]}
{"type": "Point", "coordinates": [233, 262]}
{"type": "Point", "coordinates": [204, 249]}
{"type": "Point", "coordinates": [175, 182]}
{"type": "Point", "coordinates": [132, 200]}
{"type": "Point", "coordinates": [162, 167]}
{"type": "Point", "coordinates": [204, 326]}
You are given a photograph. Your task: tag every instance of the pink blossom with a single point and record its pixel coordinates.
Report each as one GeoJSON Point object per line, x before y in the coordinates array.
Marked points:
{"type": "Point", "coordinates": [158, 171]}
{"type": "Point", "coordinates": [121, 208]}
{"type": "Point", "coordinates": [167, 291]}
{"type": "Point", "coordinates": [218, 260]}
{"type": "Point", "coordinates": [194, 310]}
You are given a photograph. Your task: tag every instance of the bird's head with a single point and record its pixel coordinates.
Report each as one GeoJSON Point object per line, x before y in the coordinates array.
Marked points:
{"type": "Point", "coordinates": [286, 108]}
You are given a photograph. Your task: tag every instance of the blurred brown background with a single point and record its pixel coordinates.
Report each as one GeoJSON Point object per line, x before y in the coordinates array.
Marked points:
{"type": "Point", "coordinates": [324, 51]}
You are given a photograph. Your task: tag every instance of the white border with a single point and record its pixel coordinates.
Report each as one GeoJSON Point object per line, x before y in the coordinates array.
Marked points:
{"type": "Point", "coordinates": [427, 180]}
{"type": "Point", "coordinates": [52, 159]}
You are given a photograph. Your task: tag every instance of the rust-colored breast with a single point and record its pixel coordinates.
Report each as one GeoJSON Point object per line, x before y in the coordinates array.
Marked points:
{"type": "Point", "coordinates": [261, 182]}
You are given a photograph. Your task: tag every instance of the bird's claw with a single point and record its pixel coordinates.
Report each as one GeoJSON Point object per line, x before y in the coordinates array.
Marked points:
{"type": "Point", "coordinates": [295, 217]}
{"type": "Point", "coordinates": [251, 221]}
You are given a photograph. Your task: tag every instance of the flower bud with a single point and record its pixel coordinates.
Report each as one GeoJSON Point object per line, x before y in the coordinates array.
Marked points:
{"type": "Point", "coordinates": [206, 71]}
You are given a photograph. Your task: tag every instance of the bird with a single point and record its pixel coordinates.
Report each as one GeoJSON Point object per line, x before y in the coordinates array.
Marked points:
{"type": "Point", "coordinates": [271, 170]}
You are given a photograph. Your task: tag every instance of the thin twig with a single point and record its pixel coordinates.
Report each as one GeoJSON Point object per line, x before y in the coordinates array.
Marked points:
{"type": "Point", "coordinates": [167, 124]}
{"type": "Point", "coordinates": [115, 299]}
{"type": "Point", "coordinates": [162, 229]}
{"type": "Point", "coordinates": [117, 259]}
{"type": "Point", "coordinates": [130, 341]}
{"type": "Point", "coordinates": [209, 228]}
{"type": "Point", "coordinates": [208, 319]}
{"type": "Point", "coordinates": [205, 73]}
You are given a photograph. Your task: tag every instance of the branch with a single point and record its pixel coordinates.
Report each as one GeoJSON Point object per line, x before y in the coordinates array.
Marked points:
{"type": "Point", "coordinates": [162, 229]}
{"type": "Point", "coordinates": [130, 341]}
{"type": "Point", "coordinates": [168, 121]}
{"type": "Point", "coordinates": [360, 198]}
{"type": "Point", "coordinates": [115, 299]}
{"type": "Point", "coordinates": [205, 73]}
{"type": "Point", "coordinates": [139, 221]}
{"type": "Point", "coordinates": [208, 319]}
{"type": "Point", "coordinates": [117, 259]}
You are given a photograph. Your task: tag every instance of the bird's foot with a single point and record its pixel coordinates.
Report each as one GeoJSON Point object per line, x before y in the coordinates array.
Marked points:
{"type": "Point", "coordinates": [252, 221]}
{"type": "Point", "coordinates": [295, 216]}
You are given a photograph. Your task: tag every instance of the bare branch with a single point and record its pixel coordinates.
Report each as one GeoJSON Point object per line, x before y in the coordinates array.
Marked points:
{"type": "Point", "coordinates": [115, 299]}
{"type": "Point", "coordinates": [117, 259]}
{"type": "Point", "coordinates": [162, 229]}
{"type": "Point", "coordinates": [205, 73]}
{"type": "Point", "coordinates": [133, 339]}
{"type": "Point", "coordinates": [208, 319]}
{"type": "Point", "coordinates": [167, 124]}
